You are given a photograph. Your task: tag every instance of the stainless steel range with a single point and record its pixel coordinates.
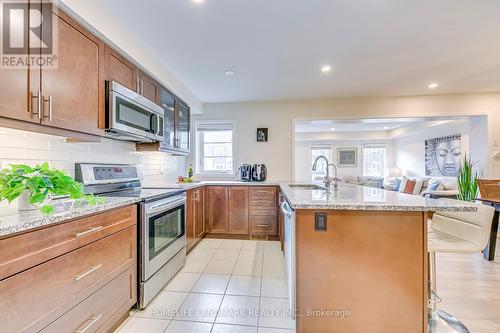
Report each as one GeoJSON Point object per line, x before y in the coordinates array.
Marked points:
{"type": "Point", "coordinates": [162, 222]}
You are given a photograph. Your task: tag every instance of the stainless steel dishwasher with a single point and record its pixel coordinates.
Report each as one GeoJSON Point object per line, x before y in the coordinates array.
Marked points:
{"type": "Point", "coordinates": [289, 249]}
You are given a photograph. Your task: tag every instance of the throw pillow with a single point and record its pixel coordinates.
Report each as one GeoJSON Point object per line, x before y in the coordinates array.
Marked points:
{"type": "Point", "coordinates": [397, 184]}
{"type": "Point", "coordinates": [402, 186]}
{"type": "Point", "coordinates": [419, 183]}
{"type": "Point", "coordinates": [433, 185]}
{"type": "Point", "coordinates": [409, 186]}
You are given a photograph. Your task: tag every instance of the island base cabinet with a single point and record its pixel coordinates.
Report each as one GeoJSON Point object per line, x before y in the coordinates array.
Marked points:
{"type": "Point", "coordinates": [367, 272]}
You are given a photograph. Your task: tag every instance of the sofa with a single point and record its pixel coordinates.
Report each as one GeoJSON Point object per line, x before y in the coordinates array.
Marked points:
{"type": "Point", "coordinates": [434, 187]}
{"type": "Point", "coordinates": [369, 181]}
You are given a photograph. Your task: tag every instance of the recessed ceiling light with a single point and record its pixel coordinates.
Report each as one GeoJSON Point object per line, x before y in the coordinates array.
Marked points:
{"type": "Point", "coordinates": [386, 127]}
{"type": "Point", "coordinates": [332, 129]}
{"type": "Point", "coordinates": [229, 72]}
{"type": "Point", "coordinates": [326, 68]}
{"type": "Point", "coordinates": [433, 85]}
{"type": "Point", "coordinates": [198, 1]}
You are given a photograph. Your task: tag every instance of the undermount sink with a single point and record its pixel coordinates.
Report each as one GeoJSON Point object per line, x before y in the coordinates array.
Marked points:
{"type": "Point", "coordinates": [307, 187]}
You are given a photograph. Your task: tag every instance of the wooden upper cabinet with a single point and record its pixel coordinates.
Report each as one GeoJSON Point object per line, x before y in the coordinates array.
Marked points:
{"type": "Point", "coordinates": [119, 69]}
{"type": "Point", "coordinates": [73, 92]}
{"type": "Point", "coordinates": [15, 96]}
{"type": "Point", "coordinates": [148, 87]}
{"type": "Point", "coordinates": [238, 209]}
{"type": "Point", "coordinates": [218, 209]}
{"type": "Point", "coordinates": [20, 88]}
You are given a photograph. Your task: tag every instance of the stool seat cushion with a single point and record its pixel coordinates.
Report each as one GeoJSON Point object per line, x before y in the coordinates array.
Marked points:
{"type": "Point", "coordinates": [442, 242]}
{"type": "Point", "coordinates": [461, 232]}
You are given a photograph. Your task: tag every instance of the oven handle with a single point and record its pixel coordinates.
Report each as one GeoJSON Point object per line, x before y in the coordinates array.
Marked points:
{"type": "Point", "coordinates": [165, 206]}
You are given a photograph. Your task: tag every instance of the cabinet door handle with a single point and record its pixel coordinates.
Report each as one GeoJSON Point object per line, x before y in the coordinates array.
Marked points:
{"type": "Point", "coordinates": [90, 271]}
{"type": "Point", "coordinates": [263, 225]}
{"type": "Point", "coordinates": [93, 320]}
{"type": "Point", "coordinates": [90, 231]}
{"type": "Point", "coordinates": [50, 108]}
{"type": "Point", "coordinates": [38, 98]}
{"type": "Point", "coordinates": [142, 86]}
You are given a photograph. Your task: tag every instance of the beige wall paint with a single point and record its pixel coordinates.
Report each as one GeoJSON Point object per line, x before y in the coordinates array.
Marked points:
{"type": "Point", "coordinates": [278, 117]}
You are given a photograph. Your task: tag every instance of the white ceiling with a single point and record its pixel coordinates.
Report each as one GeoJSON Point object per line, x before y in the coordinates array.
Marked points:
{"type": "Point", "coordinates": [374, 128]}
{"type": "Point", "coordinates": [277, 47]}
{"type": "Point", "coordinates": [319, 126]}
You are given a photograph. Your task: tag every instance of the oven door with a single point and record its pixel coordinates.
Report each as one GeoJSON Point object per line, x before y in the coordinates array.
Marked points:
{"type": "Point", "coordinates": [163, 233]}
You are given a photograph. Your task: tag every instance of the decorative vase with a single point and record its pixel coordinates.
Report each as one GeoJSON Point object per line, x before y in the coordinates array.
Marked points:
{"type": "Point", "coordinates": [23, 202]}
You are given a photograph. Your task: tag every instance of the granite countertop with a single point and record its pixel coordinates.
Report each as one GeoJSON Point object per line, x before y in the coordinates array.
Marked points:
{"type": "Point", "coordinates": [196, 184]}
{"type": "Point", "coordinates": [357, 197]}
{"type": "Point", "coordinates": [13, 221]}
{"type": "Point", "coordinates": [348, 197]}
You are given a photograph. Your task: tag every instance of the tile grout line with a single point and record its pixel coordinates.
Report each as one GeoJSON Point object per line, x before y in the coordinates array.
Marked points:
{"type": "Point", "coordinates": [188, 293]}
{"type": "Point", "coordinates": [225, 291]}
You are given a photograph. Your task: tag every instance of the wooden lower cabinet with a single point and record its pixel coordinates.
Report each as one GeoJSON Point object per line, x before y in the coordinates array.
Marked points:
{"type": "Point", "coordinates": [217, 209]}
{"type": "Point", "coordinates": [195, 216]}
{"type": "Point", "coordinates": [238, 210]}
{"type": "Point", "coordinates": [370, 267]}
{"type": "Point", "coordinates": [263, 210]}
{"type": "Point", "coordinates": [100, 311]}
{"type": "Point", "coordinates": [36, 296]}
{"type": "Point", "coordinates": [242, 210]}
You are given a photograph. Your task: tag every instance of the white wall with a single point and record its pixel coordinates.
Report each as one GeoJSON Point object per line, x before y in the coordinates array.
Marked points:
{"type": "Point", "coordinates": [410, 150]}
{"type": "Point", "coordinates": [34, 148]}
{"type": "Point", "coordinates": [303, 160]}
{"type": "Point", "coordinates": [277, 153]}
{"type": "Point", "coordinates": [478, 138]}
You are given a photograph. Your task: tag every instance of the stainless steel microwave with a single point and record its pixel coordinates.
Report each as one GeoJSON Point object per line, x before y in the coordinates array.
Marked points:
{"type": "Point", "coordinates": [132, 117]}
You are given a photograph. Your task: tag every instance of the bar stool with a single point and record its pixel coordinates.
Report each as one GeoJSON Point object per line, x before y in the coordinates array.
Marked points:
{"type": "Point", "coordinates": [454, 232]}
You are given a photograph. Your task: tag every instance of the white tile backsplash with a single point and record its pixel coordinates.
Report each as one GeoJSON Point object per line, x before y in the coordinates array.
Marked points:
{"type": "Point", "coordinates": [33, 148]}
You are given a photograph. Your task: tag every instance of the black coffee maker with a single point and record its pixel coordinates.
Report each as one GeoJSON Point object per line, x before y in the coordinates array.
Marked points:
{"type": "Point", "coordinates": [246, 173]}
{"type": "Point", "coordinates": [259, 172]}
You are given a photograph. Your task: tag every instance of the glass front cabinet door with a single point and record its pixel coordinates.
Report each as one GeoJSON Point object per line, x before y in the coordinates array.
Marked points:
{"type": "Point", "coordinates": [168, 104]}
{"type": "Point", "coordinates": [183, 125]}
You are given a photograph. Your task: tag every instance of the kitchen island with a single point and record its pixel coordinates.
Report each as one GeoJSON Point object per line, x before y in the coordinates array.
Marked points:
{"type": "Point", "coordinates": [360, 258]}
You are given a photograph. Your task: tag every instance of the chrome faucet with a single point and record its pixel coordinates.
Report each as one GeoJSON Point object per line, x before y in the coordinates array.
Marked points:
{"type": "Point", "coordinates": [327, 180]}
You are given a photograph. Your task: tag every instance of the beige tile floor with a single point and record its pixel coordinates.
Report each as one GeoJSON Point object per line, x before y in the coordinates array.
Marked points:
{"type": "Point", "coordinates": [223, 287]}
{"type": "Point", "coordinates": [224, 276]}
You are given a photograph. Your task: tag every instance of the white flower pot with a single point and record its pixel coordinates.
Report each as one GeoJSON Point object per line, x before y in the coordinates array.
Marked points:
{"type": "Point", "coordinates": [23, 202]}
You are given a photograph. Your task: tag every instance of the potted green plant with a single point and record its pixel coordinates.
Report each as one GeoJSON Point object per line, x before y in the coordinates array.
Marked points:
{"type": "Point", "coordinates": [32, 185]}
{"type": "Point", "coordinates": [467, 180]}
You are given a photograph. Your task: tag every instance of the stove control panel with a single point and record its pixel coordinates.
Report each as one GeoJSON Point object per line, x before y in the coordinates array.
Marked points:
{"type": "Point", "coordinates": [114, 172]}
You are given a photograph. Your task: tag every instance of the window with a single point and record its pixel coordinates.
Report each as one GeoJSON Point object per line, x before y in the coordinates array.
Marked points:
{"type": "Point", "coordinates": [214, 148]}
{"type": "Point", "coordinates": [320, 172]}
{"type": "Point", "coordinates": [374, 160]}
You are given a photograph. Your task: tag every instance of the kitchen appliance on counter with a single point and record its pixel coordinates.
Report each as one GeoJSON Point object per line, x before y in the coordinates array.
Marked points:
{"type": "Point", "coordinates": [161, 222]}
{"type": "Point", "coordinates": [132, 117]}
{"type": "Point", "coordinates": [289, 250]}
{"type": "Point", "coordinates": [259, 172]}
{"type": "Point", "coordinates": [246, 173]}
